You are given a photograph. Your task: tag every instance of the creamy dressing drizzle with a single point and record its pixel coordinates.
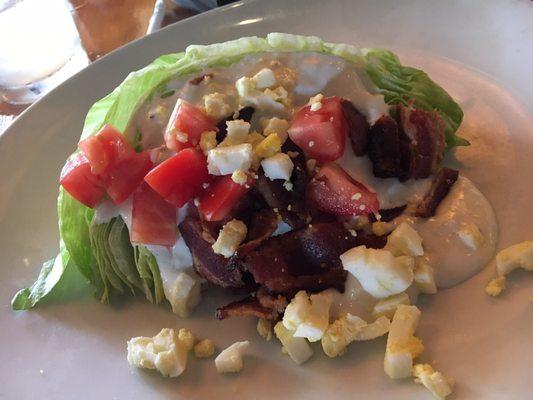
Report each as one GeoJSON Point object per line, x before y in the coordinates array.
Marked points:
{"type": "Point", "coordinates": [304, 75]}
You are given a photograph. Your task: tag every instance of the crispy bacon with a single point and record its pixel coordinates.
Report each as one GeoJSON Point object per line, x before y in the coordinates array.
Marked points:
{"type": "Point", "coordinates": [260, 305]}
{"type": "Point", "coordinates": [384, 148]}
{"type": "Point", "coordinates": [224, 272]}
{"type": "Point", "coordinates": [245, 114]}
{"type": "Point", "coordinates": [248, 307]}
{"type": "Point", "coordinates": [305, 259]}
{"type": "Point", "coordinates": [422, 141]}
{"type": "Point", "coordinates": [357, 127]}
{"type": "Point", "coordinates": [289, 204]}
{"type": "Point", "coordinates": [199, 79]}
{"type": "Point", "coordinates": [440, 187]}
{"type": "Point", "coordinates": [262, 225]}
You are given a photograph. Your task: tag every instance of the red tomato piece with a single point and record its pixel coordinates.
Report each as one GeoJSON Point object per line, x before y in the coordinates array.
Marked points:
{"type": "Point", "coordinates": [153, 220]}
{"type": "Point", "coordinates": [105, 148]}
{"type": "Point", "coordinates": [320, 134]}
{"type": "Point", "coordinates": [333, 191]}
{"type": "Point", "coordinates": [186, 125]}
{"type": "Point", "coordinates": [221, 196]}
{"type": "Point", "coordinates": [181, 177]}
{"type": "Point", "coordinates": [125, 175]}
{"type": "Point", "coordinates": [78, 180]}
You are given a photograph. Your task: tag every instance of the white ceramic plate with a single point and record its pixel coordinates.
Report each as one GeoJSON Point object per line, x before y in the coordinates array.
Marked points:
{"type": "Point", "coordinates": [478, 50]}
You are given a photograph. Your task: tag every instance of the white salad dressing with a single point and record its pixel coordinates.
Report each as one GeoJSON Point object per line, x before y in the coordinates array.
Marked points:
{"type": "Point", "coordinates": [305, 75]}
{"type": "Point", "coordinates": [453, 261]}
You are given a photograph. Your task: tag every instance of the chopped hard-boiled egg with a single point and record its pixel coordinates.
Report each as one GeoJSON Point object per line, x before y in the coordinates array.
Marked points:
{"type": "Point", "coordinates": [268, 146]}
{"type": "Point", "coordinates": [278, 166]}
{"type": "Point", "coordinates": [208, 141]}
{"type": "Point", "coordinates": [264, 328]}
{"type": "Point", "coordinates": [404, 240]}
{"type": "Point", "coordinates": [296, 347]}
{"type": "Point", "coordinates": [439, 385]}
{"type": "Point", "coordinates": [165, 352]}
{"type": "Point", "coordinates": [216, 106]}
{"type": "Point", "coordinates": [424, 277]}
{"type": "Point", "coordinates": [265, 79]}
{"type": "Point", "coordinates": [226, 160]}
{"type": "Point", "coordinates": [495, 286]}
{"type": "Point", "coordinates": [350, 328]}
{"type": "Point", "coordinates": [239, 177]}
{"type": "Point", "coordinates": [204, 348]}
{"type": "Point", "coordinates": [308, 316]}
{"type": "Point", "coordinates": [230, 359]}
{"type": "Point", "coordinates": [387, 306]}
{"type": "Point", "coordinates": [471, 236]}
{"type": "Point", "coordinates": [251, 95]}
{"type": "Point", "coordinates": [517, 256]}
{"type": "Point", "coordinates": [236, 132]}
{"type": "Point", "coordinates": [183, 294]}
{"type": "Point", "coordinates": [230, 237]}
{"type": "Point", "coordinates": [382, 228]}
{"type": "Point", "coordinates": [378, 271]}
{"type": "Point", "coordinates": [277, 126]}
{"type": "Point", "coordinates": [402, 346]}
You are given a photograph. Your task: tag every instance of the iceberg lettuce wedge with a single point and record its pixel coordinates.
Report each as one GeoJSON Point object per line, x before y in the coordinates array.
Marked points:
{"type": "Point", "coordinates": [102, 253]}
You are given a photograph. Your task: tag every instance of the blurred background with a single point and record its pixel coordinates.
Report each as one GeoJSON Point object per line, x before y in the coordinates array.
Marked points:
{"type": "Point", "coordinates": [44, 42]}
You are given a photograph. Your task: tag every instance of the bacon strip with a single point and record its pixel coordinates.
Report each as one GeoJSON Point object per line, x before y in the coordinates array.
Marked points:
{"type": "Point", "coordinates": [224, 272]}
{"type": "Point", "coordinates": [388, 214]}
{"type": "Point", "coordinates": [422, 142]}
{"type": "Point", "coordinates": [289, 204]}
{"type": "Point", "coordinates": [440, 187]}
{"type": "Point", "coordinates": [305, 259]}
{"type": "Point", "coordinates": [248, 307]}
{"type": "Point", "coordinates": [384, 148]}
{"type": "Point", "coordinates": [261, 305]}
{"type": "Point", "coordinates": [357, 127]}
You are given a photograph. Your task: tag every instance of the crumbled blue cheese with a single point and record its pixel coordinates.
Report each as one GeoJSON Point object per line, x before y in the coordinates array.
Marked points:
{"type": "Point", "coordinates": [230, 359]}
{"type": "Point", "coordinates": [184, 294]}
{"type": "Point", "coordinates": [216, 106]}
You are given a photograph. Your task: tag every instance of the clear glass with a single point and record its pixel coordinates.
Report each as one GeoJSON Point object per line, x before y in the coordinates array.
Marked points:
{"type": "Point", "coordinates": [39, 48]}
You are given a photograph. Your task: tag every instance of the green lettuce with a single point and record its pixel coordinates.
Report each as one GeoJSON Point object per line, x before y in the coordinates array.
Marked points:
{"type": "Point", "coordinates": [101, 252]}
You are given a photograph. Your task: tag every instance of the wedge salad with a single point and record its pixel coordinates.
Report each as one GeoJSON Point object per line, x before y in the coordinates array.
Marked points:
{"type": "Point", "coordinates": [306, 176]}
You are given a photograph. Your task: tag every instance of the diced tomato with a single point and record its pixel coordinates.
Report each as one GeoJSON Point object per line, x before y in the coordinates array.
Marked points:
{"type": "Point", "coordinates": [153, 220]}
{"type": "Point", "coordinates": [121, 180]}
{"type": "Point", "coordinates": [320, 134]}
{"type": "Point", "coordinates": [115, 162]}
{"type": "Point", "coordinates": [104, 148]}
{"type": "Point", "coordinates": [77, 179]}
{"type": "Point", "coordinates": [186, 125]}
{"type": "Point", "coordinates": [221, 196]}
{"type": "Point", "coordinates": [181, 177]}
{"type": "Point", "coordinates": [333, 191]}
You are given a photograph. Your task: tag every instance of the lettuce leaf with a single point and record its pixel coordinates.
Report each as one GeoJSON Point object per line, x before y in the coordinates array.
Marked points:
{"type": "Point", "coordinates": [100, 253]}
{"type": "Point", "coordinates": [401, 84]}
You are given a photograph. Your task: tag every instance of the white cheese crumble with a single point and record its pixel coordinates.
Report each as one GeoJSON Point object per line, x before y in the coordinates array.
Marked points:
{"type": "Point", "coordinates": [236, 132]}
{"type": "Point", "coordinates": [275, 125]}
{"type": "Point", "coordinates": [265, 79]}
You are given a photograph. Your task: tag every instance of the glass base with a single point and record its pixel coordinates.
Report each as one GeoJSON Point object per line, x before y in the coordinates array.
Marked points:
{"type": "Point", "coordinates": [32, 92]}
